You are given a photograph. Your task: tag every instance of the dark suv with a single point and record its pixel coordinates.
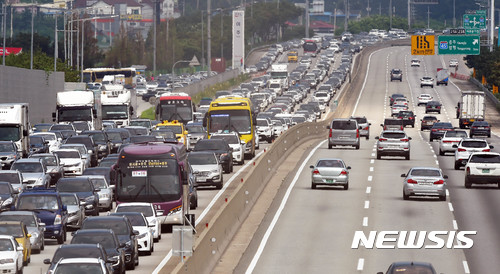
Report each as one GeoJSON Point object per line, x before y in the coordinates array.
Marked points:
{"type": "Point", "coordinates": [47, 205]}
{"type": "Point", "coordinates": [480, 128]}
{"type": "Point", "coordinates": [221, 149]}
{"type": "Point", "coordinates": [102, 141]}
{"type": "Point", "coordinates": [408, 118]}
{"type": "Point", "coordinates": [84, 189]}
{"type": "Point", "coordinates": [428, 121]}
{"type": "Point", "coordinates": [89, 144]}
{"type": "Point", "coordinates": [433, 106]}
{"type": "Point", "coordinates": [396, 74]}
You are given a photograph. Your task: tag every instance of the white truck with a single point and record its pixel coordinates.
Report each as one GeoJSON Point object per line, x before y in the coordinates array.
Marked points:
{"type": "Point", "coordinates": [116, 104]}
{"type": "Point", "coordinates": [442, 76]}
{"type": "Point", "coordinates": [15, 125]}
{"type": "Point", "coordinates": [470, 108]}
{"type": "Point", "coordinates": [279, 74]}
{"type": "Point", "coordinates": [77, 105]}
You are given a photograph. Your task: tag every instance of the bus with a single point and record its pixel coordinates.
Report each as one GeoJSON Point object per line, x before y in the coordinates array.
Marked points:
{"type": "Point", "coordinates": [310, 46]}
{"type": "Point", "coordinates": [92, 75]}
{"type": "Point", "coordinates": [175, 106]}
{"type": "Point", "coordinates": [232, 114]}
{"type": "Point", "coordinates": [154, 172]}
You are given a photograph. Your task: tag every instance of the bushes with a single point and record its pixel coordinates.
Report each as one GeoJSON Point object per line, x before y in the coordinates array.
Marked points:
{"type": "Point", "coordinates": [210, 91]}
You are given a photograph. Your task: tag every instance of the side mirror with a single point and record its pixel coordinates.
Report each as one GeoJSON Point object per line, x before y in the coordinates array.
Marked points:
{"type": "Point", "coordinates": [15, 191]}
{"type": "Point", "coordinates": [311, 166]}
{"type": "Point", "coordinates": [409, 138]}
{"type": "Point", "coordinates": [492, 146]}
{"type": "Point", "coordinates": [445, 176]}
{"type": "Point", "coordinates": [349, 167]}
{"type": "Point", "coordinates": [455, 146]}
{"type": "Point", "coordinates": [122, 245]}
{"type": "Point", "coordinates": [20, 248]}
{"type": "Point", "coordinates": [89, 151]}
{"type": "Point", "coordinates": [135, 232]}
{"type": "Point", "coordinates": [403, 175]}
{"type": "Point", "coordinates": [327, 127]}
{"type": "Point", "coordinates": [64, 208]}
{"type": "Point", "coordinates": [376, 137]}
{"type": "Point", "coordinates": [382, 125]}
{"type": "Point", "coordinates": [159, 213]}
{"type": "Point", "coordinates": [46, 261]}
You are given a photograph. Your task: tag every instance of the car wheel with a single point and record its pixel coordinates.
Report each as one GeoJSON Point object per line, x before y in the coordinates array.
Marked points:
{"type": "Point", "coordinates": [379, 156]}
{"type": "Point", "coordinates": [421, 86]}
{"type": "Point", "coordinates": [421, 129]}
{"type": "Point", "coordinates": [367, 137]}
{"type": "Point", "coordinates": [313, 186]}
{"type": "Point", "coordinates": [441, 152]}
{"type": "Point", "coordinates": [431, 139]}
{"type": "Point", "coordinates": [346, 186]}
{"type": "Point", "coordinates": [131, 265]}
{"type": "Point", "coordinates": [218, 185]}
{"type": "Point", "coordinates": [432, 86]}
{"type": "Point", "coordinates": [442, 198]}
{"type": "Point", "coordinates": [61, 239]}
{"type": "Point", "coordinates": [407, 157]}
{"type": "Point", "coordinates": [405, 197]}
{"type": "Point", "coordinates": [467, 183]}
{"type": "Point", "coordinates": [329, 146]}
{"type": "Point", "coordinates": [489, 135]}
{"type": "Point", "coordinates": [43, 244]}
{"type": "Point", "coordinates": [413, 126]}
{"type": "Point", "coordinates": [457, 165]}
{"type": "Point", "coordinates": [357, 146]}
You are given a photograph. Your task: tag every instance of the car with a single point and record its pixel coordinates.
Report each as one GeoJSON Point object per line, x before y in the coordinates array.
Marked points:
{"type": "Point", "coordinates": [54, 167]}
{"type": "Point", "coordinates": [450, 138]}
{"type": "Point", "coordinates": [76, 209]}
{"type": "Point", "coordinates": [34, 172]}
{"type": "Point", "coordinates": [34, 225]}
{"type": "Point", "coordinates": [139, 223]}
{"type": "Point", "coordinates": [408, 118]}
{"type": "Point", "coordinates": [83, 188]}
{"type": "Point", "coordinates": [423, 99]}
{"type": "Point", "coordinates": [396, 74]}
{"type": "Point", "coordinates": [53, 141]}
{"type": "Point", "coordinates": [41, 127]}
{"type": "Point", "coordinates": [123, 230]}
{"type": "Point", "coordinates": [438, 130]}
{"type": "Point", "coordinates": [117, 137]}
{"type": "Point", "coordinates": [147, 123]}
{"type": "Point", "coordinates": [81, 126]}
{"type": "Point", "coordinates": [8, 154]}
{"type": "Point", "coordinates": [108, 172]}
{"type": "Point", "coordinates": [48, 207]}
{"type": "Point", "coordinates": [466, 147]}
{"type": "Point", "coordinates": [8, 196]}
{"type": "Point", "coordinates": [84, 154]}
{"type": "Point", "coordinates": [196, 132]}
{"type": "Point", "coordinates": [81, 265]}
{"type": "Point", "coordinates": [364, 125]}
{"type": "Point", "coordinates": [415, 63]}
{"type": "Point", "coordinates": [426, 81]}
{"type": "Point", "coordinates": [424, 181]}
{"type": "Point", "coordinates": [453, 63]}
{"type": "Point", "coordinates": [72, 161]}
{"type": "Point", "coordinates": [482, 128]}
{"type": "Point", "coordinates": [400, 101]}
{"type": "Point", "coordinates": [106, 191]}
{"type": "Point", "coordinates": [235, 143]}
{"type": "Point", "coordinates": [433, 106]}
{"type": "Point", "coordinates": [331, 172]}
{"type": "Point", "coordinates": [410, 267]}
{"type": "Point", "coordinates": [207, 168]}
{"type": "Point", "coordinates": [89, 143]}
{"type": "Point", "coordinates": [343, 132]}
{"type": "Point", "coordinates": [19, 231]}
{"type": "Point", "coordinates": [109, 241]}
{"type": "Point", "coordinates": [66, 126]}
{"type": "Point", "coordinates": [221, 149]}
{"type": "Point", "coordinates": [393, 143]}
{"type": "Point", "coordinates": [428, 121]}
{"type": "Point", "coordinates": [154, 217]}
{"type": "Point", "coordinates": [70, 251]}
{"type": "Point", "coordinates": [11, 255]}
{"type": "Point", "coordinates": [38, 144]}
{"type": "Point", "coordinates": [392, 123]}
{"type": "Point", "coordinates": [101, 140]}
{"type": "Point", "coordinates": [396, 108]}
{"type": "Point", "coordinates": [110, 160]}
{"type": "Point", "coordinates": [394, 96]}
{"type": "Point", "coordinates": [14, 177]}
{"type": "Point", "coordinates": [482, 168]}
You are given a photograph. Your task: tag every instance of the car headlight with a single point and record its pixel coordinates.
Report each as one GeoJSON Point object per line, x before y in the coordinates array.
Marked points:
{"type": "Point", "coordinates": [57, 220]}
{"type": "Point", "coordinates": [141, 236]}
{"type": "Point", "coordinates": [153, 222]}
{"type": "Point", "coordinates": [248, 145]}
{"type": "Point", "coordinates": [102, 147]}
{"type": "Point", "coordinates": [128, 244]}
{"type": "Point", "coordinates": [89, 199]}
{"type": "Point", "coordinates": [8, 260]}
{"type": "Point", "coordinates": [7, 202]}
{"type": "Point", "coordinates": [214, 170]}
{"type": "Point", "coordinates": [237, 149]}
{"type": "Point", "coordinates": [223, 155]}
{"type": "Point", "coordinates": [34, 235]}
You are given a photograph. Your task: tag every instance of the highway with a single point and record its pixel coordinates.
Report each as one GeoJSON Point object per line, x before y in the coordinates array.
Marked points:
{"type": "Point", "coordinates": [311, 231]}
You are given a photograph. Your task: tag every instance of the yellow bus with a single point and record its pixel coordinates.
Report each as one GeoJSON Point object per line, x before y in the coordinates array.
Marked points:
{"type": "Point", "coordinates": [293, 56]}
{"type": "Point", "coordinates": [96, 74]}
{"type": "Point", "coordinates": [232, 114]}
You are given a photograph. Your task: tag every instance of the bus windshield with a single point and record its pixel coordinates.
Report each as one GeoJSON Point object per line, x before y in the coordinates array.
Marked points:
{"type": "Point", "coordinates": [148, 178]}
{"type": "Point", "coordinates": [230, 120]}
{"type": "Point", "coordinates": [310, 46]}
{"type": "Point", "coordinates": [114, 112]}
{"type": "Point", "coordinates": [75, 114]}
{"type": "Point", "coordinates": [176, 110]}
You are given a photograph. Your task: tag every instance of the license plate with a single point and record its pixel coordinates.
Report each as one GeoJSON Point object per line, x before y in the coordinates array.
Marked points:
{"type": "Point", "coordinates": [486, 170]}
{"type": "Point", "coordinates": [330, 180]}
{"type": "Point", "coordinates": [480, 127]}
{"type": "Point", "coordinates": [425, 183]}
{"type": "Point", "coordinates": [201, 180]}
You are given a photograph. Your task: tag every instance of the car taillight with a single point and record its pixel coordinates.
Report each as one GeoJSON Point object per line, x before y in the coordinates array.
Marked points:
{"type": "Point", "coordinates": [401, 127]}
{"type": "Point", "coordinates": [357, 133]}
{"type": "Point", "coordinates": [411, 181]}
{"type": "Point", "coordinates": [433, 129]}
{"type": "Point", "coordinates": [439, 182]}
{"type": "Point", "coordinates": [330, 133]}
{"type": "Point", "coordinates": [473, 127]}
{"type": "Point", "coordinates": [315, 171]}
{"type": "Point", "coordinates": [405, 140]}
{"type": "Point", "coordinates": [461, 149]}
{"type": "Point", "coordinates": [486, 127]}
{"type": "Point", "coordinates": [467, 170]}
{"type": "Point", "coordinates": [343, 172]}
{"type": "Point", "coordinates": [382, 139]}
{"type": "Point", "coordinates": [366, 128]}
{"type": "Point", "coordinates": [486, 150]}
{"type": "Point", "coordinates": [438, 106]}
{"type": "Point", "coordinates": [411, 118]}
{"type": "Point", "coordinates": [450, 141]}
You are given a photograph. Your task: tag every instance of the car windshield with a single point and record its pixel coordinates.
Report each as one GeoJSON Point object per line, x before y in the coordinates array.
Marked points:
{"type": "Point", "coordinates": [28, 220]}
{"type": "Point", "coordinates": [485, 158]}
{"type": "Point", "coordinates": [474, 144]}
{"type": "Point", "coordinates": [4, 189]}
{"type": "Point", "coordinates": [394, 135]}
{"type": "Point", "coordinates": [99, 183]}
{"type": "Point", "coordinates": [118, 226]}
{"type": "Point", "coordinates": [48, 137]}
{"type": "Point", "coordinates": [67, 154]}
{"type": "Point", "coordinates": [12, 178]}
{"type": "Point", "coordinates": [146, 124]}
{"type": "Point", "coordinates": [81, 126]}
{"type": "Point", "coordinates": [69, 200]}
{"type": "Point", "coordinates": [210, 145]}
{"type": "Point", "coordinates": [195, 129]}
{"type": "Point", "coordinates": [12, 230]}
{"type": "Point", "coordinates": [425, 172]}
{"type": "Point", "coordinates": [393, 122]}
{"type": "Point", "coordinates": [28, 167]}
{"type": "Point", "coordinates": [344, 124]}
{"type": "Point", "coordinates": [114, 136]}
{"type": "Point", "coordinates": [80, 252]}
{"type": "Point", "coordinates": [429, 118]}
{"type": "Point", "coordinates": [6, 245]}
{"type": "Point", "coordinates": [329, 163]}
{"type": "Point", "coordinates": [136, 219]}
{"type": "Point", "coordinates": [30, 202]}
{"type": "Point", "coordinates": [104, 239]}
{"type": "Point", "coordinates": [146, 210]}
{"type": "Point", "coordinates": [73, 186]}
{"type": "Point", "coordinates": [230, 139]}
{"type": "Point", "coordinates": [174, 129]}
{"type": "Point", "coordinates": [202, 159]}
{"type": "Point", "coordinates": [49, 160]}
{"type": "Point", "coordinates": [412, 269]}
{"type": "Point", "coordinates": [460, 134]}
{"type": "Point", "coordinates": [61, 127]}
{"type": "Point", "coordinates": [98, 137]}
{"type": "Point", "coordinates": [7, 148]}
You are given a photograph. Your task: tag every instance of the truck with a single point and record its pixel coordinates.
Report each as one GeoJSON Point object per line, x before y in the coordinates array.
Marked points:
{"type": "Point", "coordinates": [442, 76]}
{"type": "Point", "coordinates": [279, 73]}
{"type": "Point", "coordinates": [116, 104]}
{"type": "Point", "coordinates": [470, 108]}
{"type": "Point", "coordinates": [15, 126]}
{"type": "Point", "coordinates": [77, 105]}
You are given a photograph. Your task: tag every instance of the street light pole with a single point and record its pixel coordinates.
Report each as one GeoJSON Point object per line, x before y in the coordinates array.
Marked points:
{"type": "Point", "coordinates": [4, 11]}
{"type": "Point", "coordinates": [154, 38]}
{"type": "Point", "coordinates": [81, 61]}
{"type": "Point", "coordinates": [32, 19]}
{"type": "Point", "coordinates": [221, 34]}
{"type": "Point", "coordinates": [55, 42]}
{"type": "Point", "coordinates": [209, 38]}
{"type": "Point", "coordinates": [173, 66]}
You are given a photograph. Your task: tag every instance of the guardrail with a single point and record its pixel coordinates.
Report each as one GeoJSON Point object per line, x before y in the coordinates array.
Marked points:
{"type": "Point", "coordinates": [488, 93]}
{"type": "Point", "coordinates": [213, 241]}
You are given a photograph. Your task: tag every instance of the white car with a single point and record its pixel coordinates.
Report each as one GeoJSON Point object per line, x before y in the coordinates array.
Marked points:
{"type": "Point", "coordinates": [450, 138]}
{"type": "Point", "coordinates": [72, 161]}
{"type": "Point", "coordinates": [145, 242]}
{"type": "Point", "coordinates": [279, 127]}
{"type": "Point", "coordinates": [424, 98]}
{"type": "Point", "coordinates": [154, 217]}
{"type": "Point", "coordinates": [322, 97]}
{"type": "Point", "coordinates": [396, 108]}
{"type": "Point", "coordinates": [234, 142]}
{"type": "Point", "coordinates": [468, 146]}
{"type": "Point", "coordinates": [401, 101]}
{"type": "Point", "coordinates": [81, 265]}
{"type": "Point", "coordinates": [426, 81]}
{"type": "Point", "coordinates": [453, 63]}
{"type": "Point", "coordinates": [84, 153]}
{"type": "Point", "coordinates": [415, 63]}
{"type": "Point", "coordinates": [51, 137]}
{"type": "Point", "coordinates": [11, 255]}
{"type": "Point", "coordinates": [482, 168]}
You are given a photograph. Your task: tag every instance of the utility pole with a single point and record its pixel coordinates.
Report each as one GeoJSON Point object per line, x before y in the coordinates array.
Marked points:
{"type": "Point", "coordinates": [346, 18]}
{"type": "Point", "coordinates": [428, 16]}
{"type": "Point", "coordinates": [202, 42]}
{"type": "Point", "coordinates": [4, 25]}
{"type": "Point", "coordinates": [81, 62]}
{"type": "Point", "coordinates": [55, 42]}
{"type": "Point", "coordinates": [368, 9]}
{"type": "Point", "coordinates": [492, 24]}
{"type": "Point", "coordinates": [454, 17]}
{"type": "Point", "coordinates": [307, 18]}
{"type": "Point", "coordinates": [209, 38]}
{"type": "Point", "coordinates": [409, 15]}
{"type": "Point", "coordinates": [390, 14]}
{"type": "Point", "coordinates": [154, 38]}
{"type": "Point", "coordinates": [221, 34]}
{"type": "Point", "coordinates": [32, 27]}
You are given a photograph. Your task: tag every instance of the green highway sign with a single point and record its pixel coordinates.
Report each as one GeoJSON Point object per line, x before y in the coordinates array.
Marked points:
{"type": "Point", "coordinates": [472, 31]}
{"type": "Point", "coordinates": [474, 21]}
{"type": "Point", "coordinates": [459, 44]}
{"type": "Point", "coordinates": [463, 31]}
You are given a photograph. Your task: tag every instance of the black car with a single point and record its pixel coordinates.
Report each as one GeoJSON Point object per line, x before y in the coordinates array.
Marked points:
{"type": "Point", "coordinates": [428, 121]}
{"type": "Point", "coordinates": [8, 196]}
{"type": "Point", "coordinates": [408, 118]}
{"type": "Point", "coordinates": [396, 74]}
{"type": "Point", "coordinates": [89, 144]}
{"type": "Point", "coordinates": [410, 267]}
{"type": "Point", "coordinates": [84, 189]}
{"type": "Point", "coordinates": [117, 137]}
{"type": "Point", "coordinates": [65, 133]}
{"type": "Point", "coordinates": [438, 130]}
{"type": "Point", "coordinates": [38, 144]}
{"type": "Point", "coordinates": [77, 251]}
{"type": "Point", "coordinates": [221, 149]}
{"type": "Point", "coordinates": [109, 241]}
{"type": "Point", "coordinates": [433, 106]}
{"type": "Point", "coordinates": [123, 230]}
{"type": "Point", "coordinates": [107, 172]}
{"type": "Point", "coordinates": [480, 128]}
{"type": "Point", "coordinates": [8, 154]}
{"type": "Point", "coordinates": [102, 141]}
{"type": "Point", "coordinates": [394, 96]}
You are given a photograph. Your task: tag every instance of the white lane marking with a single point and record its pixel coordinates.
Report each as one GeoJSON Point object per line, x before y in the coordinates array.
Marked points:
{"type": "Point", "coordinates": [372, 161]}
{"type": "Point", "coordinates": [373, 154]}
{"type": "Point", "coordinates": [365, 221]}
{"type": "Point", "coordinates": [450, 206]}
{"type": "Point", "coordinates": [455, 225]}
{"type": "Point", "coordinates": [374, 149]}
{"type": "Point", "coordinates": [368, 189]}
{"type": "Point", "coordinates": [269, 230]}
{"type": "Point", "coordinates": [371, 169]}
{"type": "Point", "coordinates": [466, 267]}
{"type": "Point", "coordinates": [447, 193]}
{"type": "Point", "coordinates": [370, 178]}
{"type": "Point", "coordinates": [437, 162]}
{"type": "Point", "coordinates": [364, 82]}
{"type": "Point", "coordinates": [367, 204]}
{"type": "Point", "coordinates": [209, 207]}
{"type": "Point", "coordinates": [361, 263]}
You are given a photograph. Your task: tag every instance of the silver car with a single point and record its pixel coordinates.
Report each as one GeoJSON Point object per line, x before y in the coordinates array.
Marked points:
{"type": "Point", "coordinates": [424, 181]}
{"type": "Point", "coordinates": [76, 209]}
{"type": "Point", "coordinates": [450, 138]}
{"type": "Point", "coordinates": [34, 172]}
{"type": "Point", "coordinates": [393, 143]}
{"type": "Point", "coordinates": [34, 225]}
{"type": "Point", "coordinates": [343, 132]}
{"type": "Point", "coordinates": [106, 191]}
{"type": "Point", "coordinates": [330, 172]}
{"type": "Point", "coordinates": [364, 125]}
{"type": "Point", "coordinates": [207, 169]}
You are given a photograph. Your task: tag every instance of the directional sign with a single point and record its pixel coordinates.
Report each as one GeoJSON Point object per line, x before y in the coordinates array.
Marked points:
{"type": "Point", "coordinates": [483, 12]}
{"type": "Point", "coordinates": [465, 31]}
{"type": "Point", "coordinates": [422, 44]}
{"type": "Point", "coordinates": [474, 21]}
{"type": "Point", "coordinates": [459, 44]}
